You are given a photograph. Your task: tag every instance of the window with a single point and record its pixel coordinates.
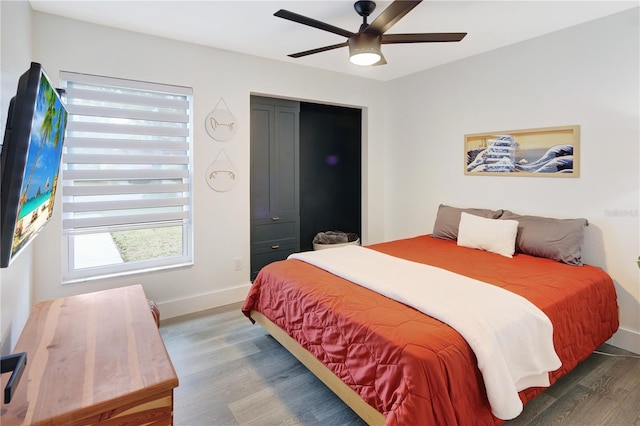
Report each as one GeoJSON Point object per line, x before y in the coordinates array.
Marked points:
{"type": "Point", "coordinates": [126, 177]}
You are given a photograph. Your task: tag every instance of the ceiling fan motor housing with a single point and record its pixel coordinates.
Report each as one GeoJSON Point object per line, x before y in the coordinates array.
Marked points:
{"type": "Point", "coordinates": [363, 42]}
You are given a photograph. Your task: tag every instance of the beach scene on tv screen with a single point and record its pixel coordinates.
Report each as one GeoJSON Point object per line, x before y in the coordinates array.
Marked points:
{"type": "Point", "coordinates": [43, 163]}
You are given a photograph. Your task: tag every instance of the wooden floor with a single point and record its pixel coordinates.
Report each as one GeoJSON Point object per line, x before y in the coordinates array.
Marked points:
{"type": "Point", "coordinates": [233, 373]}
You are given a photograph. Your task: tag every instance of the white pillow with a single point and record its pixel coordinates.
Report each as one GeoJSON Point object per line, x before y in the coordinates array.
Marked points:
{"type": "Point", "coordinates": [494, 235]}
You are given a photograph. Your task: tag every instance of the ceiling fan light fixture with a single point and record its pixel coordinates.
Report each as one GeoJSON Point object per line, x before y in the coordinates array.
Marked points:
{"type": "Point", "coordinates": [365, 59]}
{"type": "Point", "coordinates": [364, 49]}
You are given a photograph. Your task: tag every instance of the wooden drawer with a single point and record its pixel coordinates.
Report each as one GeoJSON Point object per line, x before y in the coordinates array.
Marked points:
{"type": "Point", "coordinates": [268, 232]}
{"type": "Point", "coordinates": [265, 255]}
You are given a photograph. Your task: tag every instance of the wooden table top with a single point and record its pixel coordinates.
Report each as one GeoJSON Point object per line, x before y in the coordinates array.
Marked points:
{"type": "Point", "coordinates": [87, 354]}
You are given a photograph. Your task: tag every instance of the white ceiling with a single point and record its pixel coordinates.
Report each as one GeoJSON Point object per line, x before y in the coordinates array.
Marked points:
{"type": "Point", "coordinates": [250, 27]}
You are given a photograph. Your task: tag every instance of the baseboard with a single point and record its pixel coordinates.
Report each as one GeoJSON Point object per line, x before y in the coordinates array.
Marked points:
{"type": "Point", "coordinates": [201, 302]}
{"type": "Point", "coordinates": [626, 339]}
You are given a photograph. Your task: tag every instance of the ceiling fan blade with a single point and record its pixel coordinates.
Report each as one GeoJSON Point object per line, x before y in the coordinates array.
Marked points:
{"type": "Point", "coordinates": [291, 16]}
{"type": "Point", "coordinates": [391, 15]}
{"type": "Point", "coordinates": [318, 50]}
{"type": "Point", "coordinates": [421, 38]}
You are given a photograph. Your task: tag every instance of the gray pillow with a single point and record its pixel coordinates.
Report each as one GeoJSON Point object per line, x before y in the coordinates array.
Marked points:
{"type": "Point", "coordinates": [557, 239]}
{"type": "Point", "coordinates": [448, 220]}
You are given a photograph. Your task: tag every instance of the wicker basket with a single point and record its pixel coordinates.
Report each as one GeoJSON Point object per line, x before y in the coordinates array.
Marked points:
{"type": "Point", "coordinates": [317, 246]}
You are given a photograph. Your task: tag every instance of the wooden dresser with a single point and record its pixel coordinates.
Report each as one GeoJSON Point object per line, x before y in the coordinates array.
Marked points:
{"type": "Point", "coordinates": [93, 358]}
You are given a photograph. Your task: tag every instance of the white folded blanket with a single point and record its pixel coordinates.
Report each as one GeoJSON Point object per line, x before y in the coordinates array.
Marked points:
{"type": "Point", "coordinates": [511, 338]}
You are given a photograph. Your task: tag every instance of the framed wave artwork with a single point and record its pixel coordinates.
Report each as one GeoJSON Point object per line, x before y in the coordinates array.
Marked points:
{"type": "Point", "coordinates": [548, 152]}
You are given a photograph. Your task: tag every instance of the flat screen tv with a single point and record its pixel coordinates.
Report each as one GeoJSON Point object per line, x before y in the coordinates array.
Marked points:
{"type": "Point", "coordinates": [31, 154]}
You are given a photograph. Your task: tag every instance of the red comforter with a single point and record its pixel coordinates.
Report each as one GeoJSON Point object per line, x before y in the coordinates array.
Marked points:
{"type": "Point", "coordinates": [413, 368]}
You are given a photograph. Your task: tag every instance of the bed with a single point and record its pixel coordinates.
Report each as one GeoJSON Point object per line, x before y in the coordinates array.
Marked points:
{"type": "Point", "coordinates": [396, 365]}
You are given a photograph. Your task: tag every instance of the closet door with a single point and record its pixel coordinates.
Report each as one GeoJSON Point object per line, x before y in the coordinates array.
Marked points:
{"type": "Point", "coordinates": [275, 200]}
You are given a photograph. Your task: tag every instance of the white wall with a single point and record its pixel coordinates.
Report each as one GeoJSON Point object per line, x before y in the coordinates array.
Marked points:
{"type": "Point", "coordinates": [221, 219]}
{"type": "Point", "coordinates": [586, 75]}
{"type": "Point", "coordinates": [15, 57]}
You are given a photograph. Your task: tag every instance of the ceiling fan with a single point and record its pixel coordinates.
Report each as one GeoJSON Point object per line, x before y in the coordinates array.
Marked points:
{"type": "Point", "coordinates": [365, 45]}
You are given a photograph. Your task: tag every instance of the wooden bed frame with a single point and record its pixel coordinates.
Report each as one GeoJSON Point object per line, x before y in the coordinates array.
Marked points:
{"type": "Point", "coordinates": [333, 382]}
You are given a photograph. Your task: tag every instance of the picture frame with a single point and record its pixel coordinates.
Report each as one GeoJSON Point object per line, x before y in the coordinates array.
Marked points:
{"type": "Point", "coordinates": [540, 152]}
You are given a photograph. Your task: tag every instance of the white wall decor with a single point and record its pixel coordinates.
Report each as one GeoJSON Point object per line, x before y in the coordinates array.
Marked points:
{"type": "Point", "coordinates": [220, 123]}
{"type": "Point", "coordinates": [221, 174]}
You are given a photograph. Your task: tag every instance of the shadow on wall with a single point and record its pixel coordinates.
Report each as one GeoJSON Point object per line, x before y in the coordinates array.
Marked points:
{"type": "Point", "coordinates": [5, 343]}
{"type": "Point", "coordinates": [593, 252]}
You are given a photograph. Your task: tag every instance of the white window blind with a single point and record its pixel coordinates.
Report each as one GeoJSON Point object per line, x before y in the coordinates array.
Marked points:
{"type": "Point", "coordinates": [126, 168]}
